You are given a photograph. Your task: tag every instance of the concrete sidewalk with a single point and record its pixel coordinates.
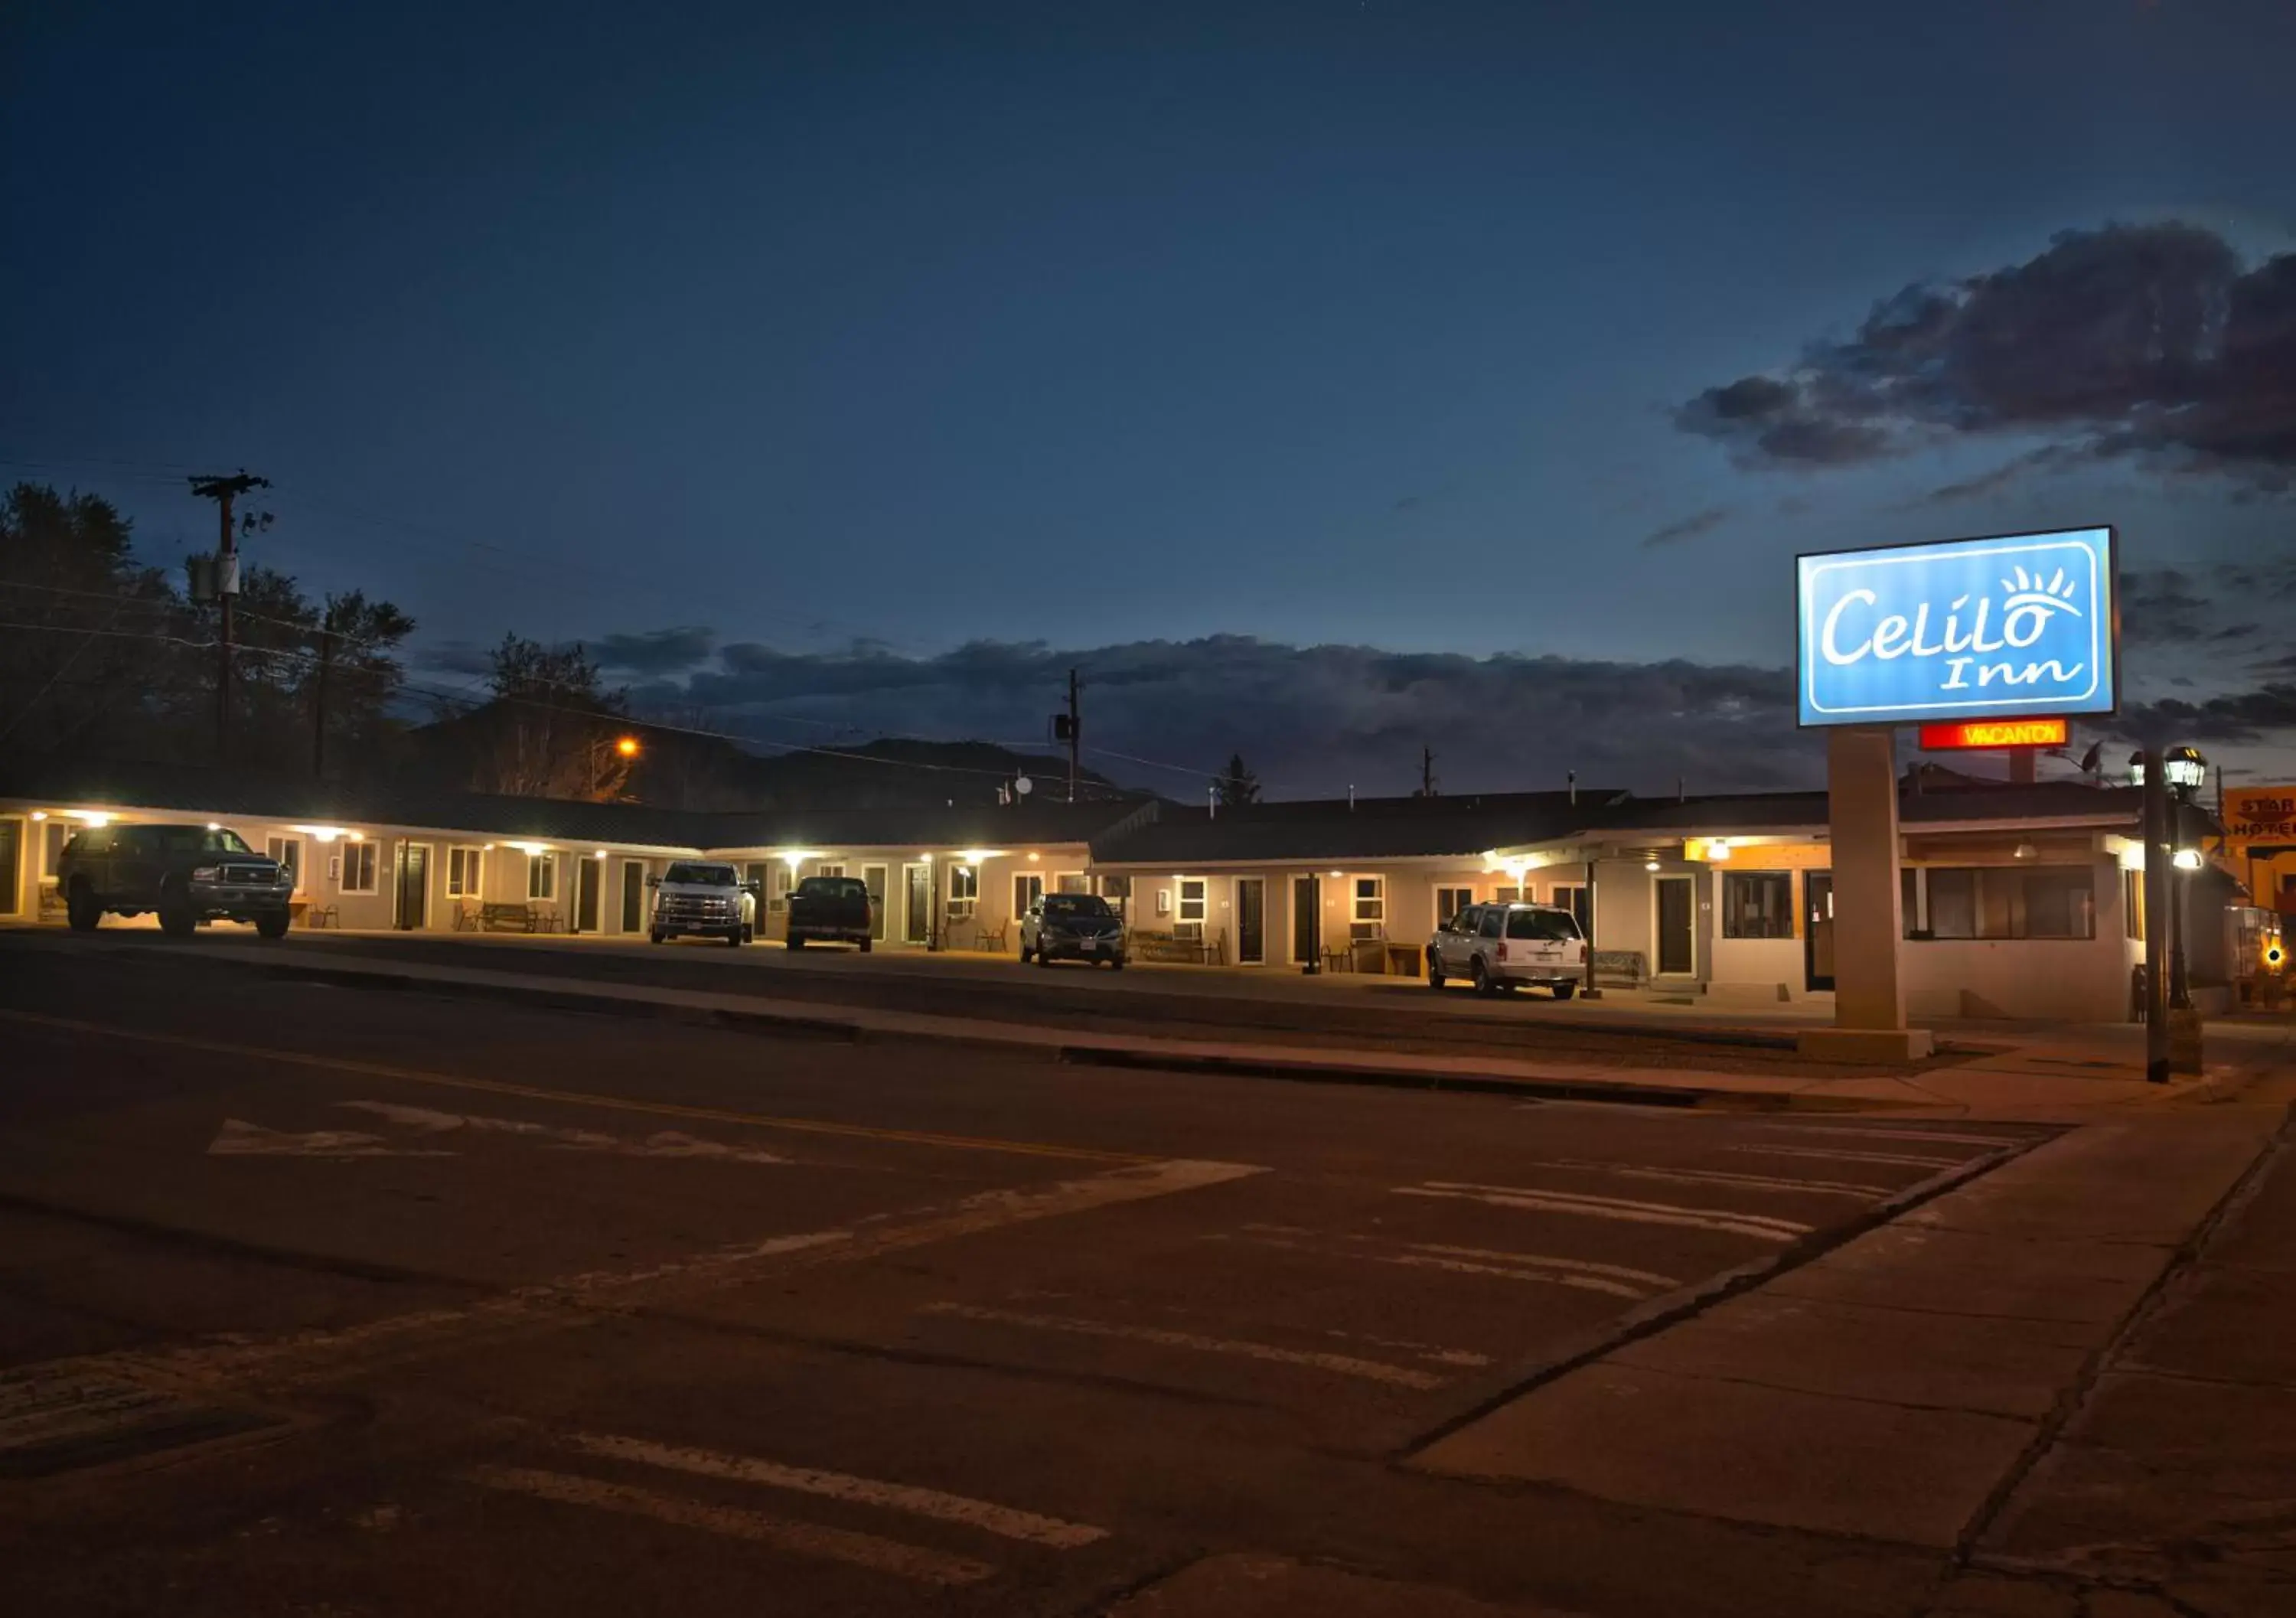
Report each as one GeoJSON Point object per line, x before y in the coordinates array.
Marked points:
{"type": "Point", "coordinates": [1935, 1382]}
{"type": "Point", "coordinates": [2048, 1075]}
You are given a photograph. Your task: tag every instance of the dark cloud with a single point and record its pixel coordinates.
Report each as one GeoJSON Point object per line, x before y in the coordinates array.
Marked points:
{"type": "Point", "coordinates": [1688, 527]}
{"type": "Point", "coordinates": [1309, 719]}
{"type": "Point", "coordinates": [1409, 503]}
{"type": "Point", "coordinates": [453, 657]}
{"type": "Point", "coordinates": [2245, 715]}
{"type": "Point", "coordinates": [2161, 607]}
{"type": "Point", "coordinates": [655, 650]}
{"type": "Point", "coordinates": [2154, 342]}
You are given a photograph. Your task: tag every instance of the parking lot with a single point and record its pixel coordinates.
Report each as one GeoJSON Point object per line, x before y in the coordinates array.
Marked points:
{"type": "Point", "coordinates": [318, 1300]}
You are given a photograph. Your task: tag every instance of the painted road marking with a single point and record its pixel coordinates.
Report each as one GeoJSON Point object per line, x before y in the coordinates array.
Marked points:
{"type": "Point", "coordinates": [1906, 1134]}
{"type": "Point", "coordinates": [1721, 1176]}
{"type": "Point", "coordinates": [1761, 1226]}
{"type": "Point", "coordinates": [868, 1551]}
{"type": "Point", "coordinates": [1615, 1279]}
{"type": "Point", "coordinates": [240, 1139]}
{"type": "Point", "coordinates": [663, 1143]}
{"type": "Point", "coordinates": [1343, 1365]}
{"type": "Point", "coordinates": [582, 1299]}
{"type": "Point", "coordinates": [1906, 1160]}
{"type": "Point", "coordinates": [987, 1515]}
{"type": "Point", "coordinates": [582, 1098]}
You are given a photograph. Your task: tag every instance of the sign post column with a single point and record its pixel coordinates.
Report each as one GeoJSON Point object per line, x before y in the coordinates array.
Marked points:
{"type": "Point", "coordinates": [1869, 994]}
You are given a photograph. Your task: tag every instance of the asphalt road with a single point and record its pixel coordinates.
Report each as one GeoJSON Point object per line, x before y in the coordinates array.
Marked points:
{"type": "Point", "coordinates": [321, 1300]}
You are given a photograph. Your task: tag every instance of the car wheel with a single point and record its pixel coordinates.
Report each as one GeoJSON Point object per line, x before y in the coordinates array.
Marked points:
{"type": "Point", "coordinates": [270, 923]}
{"type": "Point", "coordinates": [1563, 991]}
{"type": "Point", "coordinates": [657, 935]}
{"type": "Point", "coordinates": [796, 941]}
{"type": "Point", "coordinates": [1117, 964]}
{"type": "Point", "coordinates": [1486, 985]}
{"type": "Point", "coordinates": [82, 911]}
{"type": "Point", "coordinates": [178, 919]}
{"type": "Point", "coordinates": [734, 938]}
{"type": "Point", "coordinates": [1434, 970]}
{"type": "Point", "coordinates": [1043, 959]}
{"type": "Point", "coordinates": [865, 943]}
{"type": "Point", "coordinates": [1024, 954]}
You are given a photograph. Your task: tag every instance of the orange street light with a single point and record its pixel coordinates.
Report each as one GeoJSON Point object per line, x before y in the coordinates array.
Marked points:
{"type": "Point", "coordinates": [628, 747]}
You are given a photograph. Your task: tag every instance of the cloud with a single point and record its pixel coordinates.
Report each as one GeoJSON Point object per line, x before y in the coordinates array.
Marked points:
{"type": "Point", "coordinates": [2161, 607]}
{"type": "Point", "coordinates": [2244, 716]}
{"type": "Point", "coordinates": [1688, 527]}
{"type": "Point", "coordinates": [1309, 719]}
{"type": "Point", "coordinates": [2152, 342]}
{"type": "Point", "coordinates": [655, 650]}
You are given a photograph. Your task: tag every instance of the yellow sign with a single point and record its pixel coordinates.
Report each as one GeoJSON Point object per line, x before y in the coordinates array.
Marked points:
{"type": "Point", "coordinates": [2260, 815]}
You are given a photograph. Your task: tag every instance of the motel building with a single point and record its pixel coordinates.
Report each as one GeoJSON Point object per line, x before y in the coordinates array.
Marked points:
{"type": "Point", "coordinates": [2021, 901]}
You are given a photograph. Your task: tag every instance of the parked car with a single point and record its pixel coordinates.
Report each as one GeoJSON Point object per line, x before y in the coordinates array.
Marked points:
{"type": "Point", "coordinates": [1498, 947]}
{"type": "Point", "coordinates": [189, 873]}
{"type": "Point", "coordinates": [834, 909]}
{"type": "Point", "coordinates": [701, 898]}
{"type": "Point", "coordinates": [1072, 927]}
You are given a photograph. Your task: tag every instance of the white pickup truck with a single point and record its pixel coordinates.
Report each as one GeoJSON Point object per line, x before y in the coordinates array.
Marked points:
{"type": "Point", "coordinates": [701, 898]}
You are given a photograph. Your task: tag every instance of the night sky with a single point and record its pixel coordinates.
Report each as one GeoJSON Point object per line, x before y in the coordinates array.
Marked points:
{"type": "Point", "coordinates": [1324, 379]}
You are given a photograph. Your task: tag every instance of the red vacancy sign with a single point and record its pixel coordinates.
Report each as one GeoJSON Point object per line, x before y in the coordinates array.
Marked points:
{"type": "Point", "coordinates": [1970, 734]}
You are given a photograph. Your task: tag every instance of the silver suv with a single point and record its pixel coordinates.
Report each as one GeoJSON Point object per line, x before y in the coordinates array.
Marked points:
{"type": "Point", "coordinates": [1497, 947]}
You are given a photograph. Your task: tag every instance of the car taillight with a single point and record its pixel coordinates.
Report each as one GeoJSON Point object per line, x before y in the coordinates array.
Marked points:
{"type": "Point", "coordinates": [1503, 952]}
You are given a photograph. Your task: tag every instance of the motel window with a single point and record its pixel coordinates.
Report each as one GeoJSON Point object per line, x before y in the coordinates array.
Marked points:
{"type": "Point", "coordinates": [1071, 881]}
{"type": "Point", "coordinates": [829, 871]}
{"type": "Point", "coordinates": [1450, 901]}
{"type": "Point", "coordinates": [1027, 888]}
{"type": "Point", "coordinates": [1572, 897]}
{"type": "Point", "coordinates": [1194, 900]}
{"type": "Point", "coordinates": [288, 853]}
{"type": "Point", "coordinates": [358, 868]}
{"type": "Point", "coordinates": [54, 835]}
{"type": "Point", "coordinates": [2132, 904]}
{"type": "Point", "coordinates": [964, 891]}
{"type": "Point", "coordinates": [1509, 896]}
{"type": "Point", "coordinates": [1116, 887]}
{"type": "Point", "coordinates": [542, 876]}
{"type": "Point", "coordinates": [11, 860]}
{"type": "Point", "coordinates": [2011, 902]}
{"type": "Point", "coordinates": [463, 873]}
{"type": "Point", "coordinates": [775, 880]}
{"type": "Point", "coordinates": [1370, 917]}
{"type": "Point", "coordinates": [1758, 904]}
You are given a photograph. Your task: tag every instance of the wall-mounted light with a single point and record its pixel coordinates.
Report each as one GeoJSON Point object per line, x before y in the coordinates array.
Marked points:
{"type": "Point", "coordinates": [39, 814]}
{"type": "Point", "coordinates": [1650, 865]}
{"type": "Point", "coordinates": [2026, 850]}
{"type": "Point", "coordinates": [1338, 875]}
{"type": "Point", "coordinates": [358, 836]}
{"type": "Point", "coordinates": [215, 825]}
{"type": "Point", "coordinates": [2188, 859]}
{"type": "Point", "coordinates": [1718, 848]}
{"type": "Point", "coordinates": [90, 817]}
{"type": "Point", "coordinates": [319, 833]}
{"type": "Point", "coordinates": [599, 854]}
{"type": "Point", "coordinates": [1032, 856]}
{"type": "Point", "coordinates": [531, 848]}
{"type": "Point", "coordinates": [973, 857]}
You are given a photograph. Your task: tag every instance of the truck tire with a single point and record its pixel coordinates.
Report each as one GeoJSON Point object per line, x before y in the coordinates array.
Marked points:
{"type": "Point", "coordinates": [1024, 954]}
{"type": "Point", "coordinates": [1434, 970]}
{"type": "Point", "coordinates": [734, 938]}
{"type": "Point", "coordinates": [1486, 985]}
{"type": "Point", "coordinates": [270, 923]}
{"type": "Point", "coordinates": [657, 935]}
{"type": "Point", "coordinates": [1563, 991]}
{"type": "Point", "coordinates": [81, 909]}
{"type": "Point", "coordinates": [178, 919]}
{"type": "Point", "coordinates": [797, 940]}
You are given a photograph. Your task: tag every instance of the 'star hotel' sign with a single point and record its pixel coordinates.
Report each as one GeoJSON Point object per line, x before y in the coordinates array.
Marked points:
{"type": "Point", "coordinates": [2024, 624]}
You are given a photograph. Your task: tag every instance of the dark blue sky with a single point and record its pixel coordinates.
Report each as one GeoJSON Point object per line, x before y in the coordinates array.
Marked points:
{"type": "Point", "coordinates": [1088, 324]}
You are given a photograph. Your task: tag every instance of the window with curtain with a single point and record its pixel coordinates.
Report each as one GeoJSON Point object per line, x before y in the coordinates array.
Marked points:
{"type": "Point", "coordinates": [1758, 904]}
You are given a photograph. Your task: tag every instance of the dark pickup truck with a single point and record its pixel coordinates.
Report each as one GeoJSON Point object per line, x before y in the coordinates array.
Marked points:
{"type": "Point", "coordinates": [834, 908]}
{"type": "Point", "coordinates": [188, 873]}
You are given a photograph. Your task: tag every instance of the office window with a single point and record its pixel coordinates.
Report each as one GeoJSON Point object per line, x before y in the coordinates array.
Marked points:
{"type": "Point", "coordinates": [2011, 902]}
{"type": "Point", "coordinates": [2132, 904]}
{"type": "Point", "coordinates": [964, 891]}
{"type": "Point", "coordinates": [1370, 918]}
{"type": "Point", "coordinates": [542, 876]}
{"type": "Point", "coordinates": [1194, 902]}
{"type": "Point", "coordinates": [463, 873]}
{"type": "Point", "coordinates": [358, 869]}
{"type": "Point", "coordinates": [1758, 904]}
{"type": "Point", "coordinates": [1572, 897]}
{"type": "Point", "coordinates": [287, 852]}
{"type": "Point", "coordinates": [1450, 901]}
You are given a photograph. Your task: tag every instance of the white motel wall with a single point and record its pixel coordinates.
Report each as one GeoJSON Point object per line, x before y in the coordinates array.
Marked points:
{"type": "Point", "coordinates": [2017, 900]}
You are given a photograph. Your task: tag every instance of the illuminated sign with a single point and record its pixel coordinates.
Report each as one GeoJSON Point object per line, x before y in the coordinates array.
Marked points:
{"type": "Point", "coordinates": [1959, 630]}
{"type": "Point", "coordinates": [1996, 732]}
{"type": "Point", "coordinates": [2260, 813]}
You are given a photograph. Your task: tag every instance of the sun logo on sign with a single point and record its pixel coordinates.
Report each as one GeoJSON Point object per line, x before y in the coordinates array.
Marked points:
{"type": "Point", "coordinates": [2028, 594]}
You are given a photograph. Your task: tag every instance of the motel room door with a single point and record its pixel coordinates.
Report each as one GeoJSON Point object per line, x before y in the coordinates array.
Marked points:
{"type": "Point", "coordinates": [414, 886]}
{"type": "Point", "coordinates": [1677, 951]}
{"type": "Point", "coordinates": [1817, 928]}
{"type": "Point", "coordinates": [916, 912]}
{"type": "Point", "coordinates": [873, 877]}
{"type": "Point", "coordinates": [1250, 921]}
{"type": "Point", "coordinates": [589, 881]}
{"type": "Point", "coordinates": [1306, 912]}
{"type": "Point", "coordinates": [634, 896]}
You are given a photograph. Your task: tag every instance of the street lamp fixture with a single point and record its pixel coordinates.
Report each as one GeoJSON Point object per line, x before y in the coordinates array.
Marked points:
{"type": "Point", "coordinates": [2186, 770]}
{"type": "Point", "coordinates": [2187, 859]}
{"type": "Point", "coordinates": [2137, 769]}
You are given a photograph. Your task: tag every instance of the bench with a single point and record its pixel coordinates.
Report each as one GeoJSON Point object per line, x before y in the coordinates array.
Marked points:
{"type": "Point", "coordinates": [1621, 969]}
{"type": "Point", "coordinates": [498, 917]}
{"type": "Point", "coordinates": [1170, 947]}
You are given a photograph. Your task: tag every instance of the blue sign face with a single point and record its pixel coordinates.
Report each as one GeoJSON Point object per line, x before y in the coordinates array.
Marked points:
{"type": "Point", "coordinates": [2022, 624]}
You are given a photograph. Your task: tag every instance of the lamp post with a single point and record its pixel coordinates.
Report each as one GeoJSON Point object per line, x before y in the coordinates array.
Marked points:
{"type": "Point", "coordinates": [2143, 772]}
{"type": "Point", "coordinates": [2186, 771]}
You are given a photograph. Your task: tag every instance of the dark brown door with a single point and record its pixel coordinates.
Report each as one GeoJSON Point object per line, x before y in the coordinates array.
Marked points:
{"type": "Point", "coordinates": [1676, 954]}
{"type": "Point", "coordinates": [589, 876]}
{"type": "Point", "coordinates": [1250, 921]}
{"type": "Point", "coordinates": [414, 886]}
{"type": "Point", "coordinates": [633, 895]}
{"type": "Point", "coordinates": [1817, 928]}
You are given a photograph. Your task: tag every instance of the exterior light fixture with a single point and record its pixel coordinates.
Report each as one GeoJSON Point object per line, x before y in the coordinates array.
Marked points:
{"type": "Point", "coordinates": [628, 747]}
{"type": "Point", "coordinates": [358, 836]}
{"type": "Point", "coordinates": [527, 848]}
{"type": "Point", "coordinates": [1718, 848]}
{"type": "Point", "coordinates": [1032, 856]}
{"type": "Point", "coordinates": [2187, 859]}
{"type": "Point", "coordinates": [215, 825]}
{"type": "Point", "coordinates": [1338, 875]}
{"type": "Point", "coordinates": [319, 833]}
{"type": "Point", "coordinates": [39, 814]}
{"type": "Point", "coordinates": [89, 817]}
{"type": "Point", "coordinates": [2137, 769]}
{"type": "Point", "coordinates": [488, 847]}
{"type": "Point", "coordinates": [599, 854]}
{"type": "Point", "coordinates": [2026, 850]}
{"type": "Point", "coordinates": [1650, 865]}
{"type": "Point", "coordinates": [2186, 769]}
{"type": "Point", "coordinates": [973, 857]}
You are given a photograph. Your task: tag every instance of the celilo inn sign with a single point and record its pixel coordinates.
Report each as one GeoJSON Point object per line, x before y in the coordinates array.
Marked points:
{"type": "Point", "coordinates": [2023, 624]}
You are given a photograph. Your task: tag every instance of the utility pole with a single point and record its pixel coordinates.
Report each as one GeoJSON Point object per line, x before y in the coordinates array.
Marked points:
{"type": "Point", "coordinates": [319, 708]}
{"type": "Point", "coordinates": [1426, 771]}
{"type": "Point", "coordinates": [223, 491]}
{"type": "Point", "coordinates": [1076, 731]}
{"type": "Point", "coordinates": [2159, 852]}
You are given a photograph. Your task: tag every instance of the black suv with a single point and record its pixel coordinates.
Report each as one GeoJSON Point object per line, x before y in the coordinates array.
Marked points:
{"type": "Point", "coordinates": [188, 873]}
